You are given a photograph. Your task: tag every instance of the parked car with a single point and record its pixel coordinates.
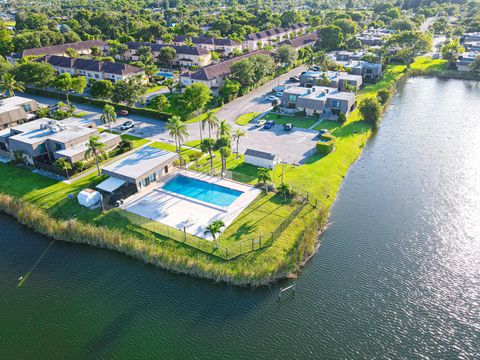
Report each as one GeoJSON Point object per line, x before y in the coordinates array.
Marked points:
{"type": "Point", "coordinates": [269, 124]}
{"type": "Point", "coordinates": [279, 94]}
{"type": "Point", "coordinates": [127, 125]}
{"type": "Point", "coordinates": [322, 131]}
{"type": "Point", "coordinates": [122, 113]}
{"type": "Point", "coordinates": [271, 98]}
{"type": "Point", "coordinates": [294, 79]}
{"type": "Point", "coordinates": [315, 68]}
{"type": "Point", "coordinates": [260, 122]}
{"type": "Point", "coordinates": [288, 126]}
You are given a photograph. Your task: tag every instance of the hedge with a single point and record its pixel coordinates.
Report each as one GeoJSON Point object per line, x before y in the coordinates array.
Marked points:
{"type": "Point", "coordinates": [101, 103]}
{"type": "Point", "coordinates": [327, 144]}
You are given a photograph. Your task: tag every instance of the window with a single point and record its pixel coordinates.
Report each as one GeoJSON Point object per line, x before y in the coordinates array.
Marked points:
{"type": "Point", "coordinates": [41, 149]}
{"type": "Point", "coordinates": [292, 98]}
{"type": "Point", "coordinates": [152, 178]}
{"type": "Point", "coordinates": [335, 104]}
{"type": "Point", "coordinates": [27, 107]}
{"type": "Point", "coordinates": [57, 146]}
{"type": "Point", "coordinates": [96, 76]}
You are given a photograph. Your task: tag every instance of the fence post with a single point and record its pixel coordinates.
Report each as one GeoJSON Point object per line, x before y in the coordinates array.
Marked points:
{"type": "Point", "coordinates": [184, 234]}
{"type": "Point", "coordinates": [260, 240]}
{"type": "Point", "coordinates": [316, 201]}
{"type": "Point", "coordinates": [272, 237]}
{"type": "Point", "coordinates": [226, 252]}
{"type": "Point", "coordinates": [253, 243]}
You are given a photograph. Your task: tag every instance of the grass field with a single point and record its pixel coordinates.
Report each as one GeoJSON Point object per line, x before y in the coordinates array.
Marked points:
{"type": "Point", "coordinates": [136, 141]}
{"type": "Point", "coordinates": [321, 176]}
{"type": "Point", "coordinates": [244, 119]}
{"type": "Point", "coordinates": [301, 122]}
{"type": "Point", "coordinates": [201, 117]}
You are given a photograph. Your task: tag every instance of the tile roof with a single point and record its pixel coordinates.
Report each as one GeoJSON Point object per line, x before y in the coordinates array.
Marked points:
{"type": "Point", "coordinates": [91, 65]}
{"type": "Point", "coordinates": [272, 32]}
{"type": "Point", "coordinates": [303, 40]}
{"type": "Point", "coordinates": [60, 49]}
{"type": "Point", "coordinates": [213, 71]}
{"type": "Point", "coordinates": [180, 49]}
{"type": "Point", "coordinates": [200, 40]}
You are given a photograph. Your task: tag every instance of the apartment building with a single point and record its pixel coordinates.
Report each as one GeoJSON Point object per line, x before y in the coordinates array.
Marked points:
{"type": "Point", "coordinates": [260, 39]}
{"type": "Point", "coordinates": [224, 46]}
{"type": "Point", "coordinates": [16, 110]}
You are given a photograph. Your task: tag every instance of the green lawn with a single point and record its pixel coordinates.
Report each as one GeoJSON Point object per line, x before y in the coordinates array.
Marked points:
{"type": "Point", "coordinates": [201, 117]}
{"type": "Point", "coordinates": [9, 22]}
{"type": "Point", "coordinates": [244, 119]}
{"type": "Point", "coordinates": [171, 147]}
{"type": "Point", "coordinates": [137, 142]}
{"type": "Point", "coordinates": [426, 63]}
{"type": "Point", "coordinates": [154, 88]}
{"type": "Point", "coordinates": [301, 122]}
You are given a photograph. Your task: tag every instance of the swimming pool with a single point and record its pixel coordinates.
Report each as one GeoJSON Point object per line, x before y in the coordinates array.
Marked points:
{"type": "Point", "coordinates": [166, 75]}
{"type": "Point", "coordinates": [202, 190]}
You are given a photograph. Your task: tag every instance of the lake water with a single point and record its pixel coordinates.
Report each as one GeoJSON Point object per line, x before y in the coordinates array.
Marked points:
{"type": "Point", "coordinates": [397, 274]}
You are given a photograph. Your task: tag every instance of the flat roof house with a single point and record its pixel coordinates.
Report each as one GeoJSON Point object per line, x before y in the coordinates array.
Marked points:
{"type": "Point", "coordinates": [93, 69]}
{"type": "Point", "coordinates": [214, 75]}
{"type": "Point", "coordinates": [335, 79]}
{"type": "Point", "coordinates": [81, 47]}
{"type": "Point", "coordinates": [141, 168]}
{"type": "Point", "coordinates": [317, 100]}
{"type": "Point", "coordinates": [370, 72]}
{"type": "Point", "coordinates": [46, 140]}
{"type": "Point", "coordinates": [186, 56]}
{"type": "Point", "coordinates": [16, 110]}
{"type": "Point", "coordinates": [465, 60]}
{"type": "Point", "coordinates": [261, 158]}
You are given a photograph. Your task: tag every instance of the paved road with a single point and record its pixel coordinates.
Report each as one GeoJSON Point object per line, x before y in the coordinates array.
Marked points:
{"type": "Point", "coordinates": [255, 100]}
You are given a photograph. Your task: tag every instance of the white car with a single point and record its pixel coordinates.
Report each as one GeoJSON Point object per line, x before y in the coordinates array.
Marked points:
{"type": "Point", "coordinates": [260, 122]}
{"type": "Point", "coordinates": [271, 98]}
{"type": "Point", "coordinates": [127, 125]}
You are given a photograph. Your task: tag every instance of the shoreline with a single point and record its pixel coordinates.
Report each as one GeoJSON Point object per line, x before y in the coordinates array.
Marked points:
{"type": "Point", "coordinates": [304, 231]}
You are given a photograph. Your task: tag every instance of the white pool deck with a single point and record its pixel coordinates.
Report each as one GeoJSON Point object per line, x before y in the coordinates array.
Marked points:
{"type": "Point", "coordinates": [180, 211]}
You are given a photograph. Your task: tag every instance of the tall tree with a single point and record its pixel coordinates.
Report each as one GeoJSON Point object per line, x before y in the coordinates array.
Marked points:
{"type": "Point", "coordinates": [208, 146]}
{"type": "Point", "coordinates": [102, 89]}
{"type": "Point", "coordinates": [166, 55]}
{"type": "Point", "coordinates": [264, 177]}
{"type": "Point", "coordinates": [285, 55]}
{"type": "Point", "coordinates": [409, 44]}
{"type": "Point", "coordinates": [36, 74]}
{"type": "Point", "coordinates": [329, 38]}
{"type": "Point", "coordinates": [211, 121]}
{"type": "Point", "coordinates": [66, 82]}
{"type": "Point", "coordinates": [95, 148]}
{"type": "Point", "coordinates": [178, 130]}
{"type": "Point", "coordinates": [224, 129]}
{"type": "Point", "coordinates": [109, 116]}
{"type": "Point", "coordinates": [196, 96]}
{"type": "Point", "coordinates": [9, 84]}
{"type": "Point", "coordinates": [63, 164]}
{"type": "Point", "coordinates": [237, 134]}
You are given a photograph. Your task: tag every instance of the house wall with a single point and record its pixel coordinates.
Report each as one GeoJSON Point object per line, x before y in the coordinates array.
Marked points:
{"type": "Point", "coordinates": [261, 162]}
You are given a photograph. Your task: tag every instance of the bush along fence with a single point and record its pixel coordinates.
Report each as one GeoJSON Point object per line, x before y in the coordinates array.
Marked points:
{"type": "Point", "coordinates": [100, 103]}
{"type": "Point", "coordinates": [213, 247]}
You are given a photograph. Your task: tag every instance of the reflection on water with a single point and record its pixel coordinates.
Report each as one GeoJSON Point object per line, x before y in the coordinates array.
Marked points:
{"type": "Point", "coordinates": [397, 275]}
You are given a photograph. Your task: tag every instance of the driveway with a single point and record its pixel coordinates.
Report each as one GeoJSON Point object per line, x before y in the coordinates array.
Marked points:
{"type": "Point", "coordinates": [255, 101]}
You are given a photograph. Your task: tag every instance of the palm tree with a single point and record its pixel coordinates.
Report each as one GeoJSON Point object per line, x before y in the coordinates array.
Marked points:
{"type": "Point", "coordinates": [236, 137]}
{"type": "Point", "coordinates": [178, 130]}
{"type": "Point", "coordinates": [211, 121]}
{"type": "Point", "coordinates": [95, 148]}
{"type": "Point", "coordinates": [225, 152]}
{"type": "Point", "coordinates": [63, 164]}
{"type": "Point", "coordinates": [10, 85]}
{"type": "Point", "coordinates": [208, 146]}
{"type": "Point", "coordinates": [109, 116]}
{"type": "Point", "coordinates": [284, 189]}
{"type": "Point", "coordinates": [214, 228]}
{"type": "Point", "coordinates": [264, 177]}
{"type": "Point", "coordinates": [224, 129]}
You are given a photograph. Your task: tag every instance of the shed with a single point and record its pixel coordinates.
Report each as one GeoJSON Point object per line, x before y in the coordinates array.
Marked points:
{"type": "Point", "coordinates": [261, 158]}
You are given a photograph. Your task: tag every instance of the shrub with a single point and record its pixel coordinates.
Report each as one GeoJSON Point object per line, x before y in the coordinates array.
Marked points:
{"type": "Point", "coordinates": [79, 166]}
{"type": "Point", "coordinates": [384, 95]}
{"type": "Point", "coordinates": [301, 113]}
{"type": "Point", "coordinates": [370, 109]}
{"type": "Point", "coordinates": [342, 118]}
{"type": "Point", "coordinates": [195, 155]}
{"type": "Point", "coordinates": [325, 147]}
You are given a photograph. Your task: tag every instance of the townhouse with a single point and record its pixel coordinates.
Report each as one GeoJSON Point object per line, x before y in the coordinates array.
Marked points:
{"type": "Point", "coordinates": [93, 69]}
{"type": "Point", "coordinates": [45, 140]}
{"type": "Point", "coordinates": [82, 48]}
{"type": "Point", "coordinates": [224, 46]}
{"type": "Point", "coordinates": [334, 79]}
{"type": "Point", "coordinates": [16, 110]}
{"type": "Point", "coordinates": [317, 100]}
{"type": "Point", "coordinates": [374, 37]}
{"type": "Point", "coordinates": [214, 75]}
{"type": "Point", "coordinates": [466, 59]}
{"type": "Point", "coordinates": [260, 39]}
{"type": "Point", "coordinates": [302, 41]}
{"type": "Point", "coordinates": [186, 56]}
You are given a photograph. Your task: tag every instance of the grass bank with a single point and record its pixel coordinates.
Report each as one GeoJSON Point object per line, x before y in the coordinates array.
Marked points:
{"type": "Point", "coordinates": [43, 205]}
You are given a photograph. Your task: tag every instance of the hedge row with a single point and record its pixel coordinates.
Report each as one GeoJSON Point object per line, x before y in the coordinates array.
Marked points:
{"type": "Point", "coordinates": [101, 103]}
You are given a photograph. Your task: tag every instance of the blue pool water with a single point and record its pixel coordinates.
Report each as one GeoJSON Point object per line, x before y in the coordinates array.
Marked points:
{"type": "Point", "coordinates": [201, 190]}
{"type": "Point", "coordinates": [166, 75]}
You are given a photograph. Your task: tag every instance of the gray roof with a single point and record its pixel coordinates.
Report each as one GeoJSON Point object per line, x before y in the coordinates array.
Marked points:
{"type": "Point", "coordinates": [140, 162]}
{"type": "Point", "coordinates": [272, 32]}
{"type": "Point", "coordinates": [200, 40]}
{"type": "Point", "coordinates": [60, 49]}
{"type": "Point", "coordinates": [260, 154]}
{"type": "Point", "coordinates": [180, 49]}
{"type": "Point", "coordinates": [303, 40]}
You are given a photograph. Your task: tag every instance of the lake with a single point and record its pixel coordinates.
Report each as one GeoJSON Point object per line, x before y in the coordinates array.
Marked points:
{"type": "Point", "coordinates": [397, 274]}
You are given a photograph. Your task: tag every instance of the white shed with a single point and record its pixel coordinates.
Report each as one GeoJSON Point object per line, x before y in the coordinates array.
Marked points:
{"type": "Point", "coordinates": [261, 159]}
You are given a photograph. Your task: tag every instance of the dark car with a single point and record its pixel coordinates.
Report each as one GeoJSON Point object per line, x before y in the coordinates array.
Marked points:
{"type": "Point", "coordinates": [288, 126]}
{"type": "Point", "coordinates": [122, 113]}
{"type": "Point", "coordinates": [269, 124]}
{"type": "Point", "coordinates": [294, 79]}
{"type": "Point", "coordinates": [322, 131]}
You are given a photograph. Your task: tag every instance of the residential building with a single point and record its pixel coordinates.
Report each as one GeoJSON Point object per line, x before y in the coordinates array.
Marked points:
{"type": "Point", "coordinates": [141, 168]}
{"type": "Point", "coordinates": [471, 46]}
{"type": "Point", "coordinates": [317, 100]}
{"type": "Point", "coordinates": [224, 46]}
{"type": "Point", "coordinates": [374, 37]}
{"type": "Point", "coordinates": [345, 55]}
{"type": "Point", "coordinates": [261, 158]}
{"type": "Point", "coordinates": [465, 60]}
{"type": "Point", "coordinates": [302, 41]}
{"type": "Point", "coordinates": [260, 39]}
{"type": "Point", "coordinates": [45, 140]}
{"type": "Point", "coordinates": [186, 56]}
{"type": "Point", "coordinates": [370, 72]}
{"type": "Point", "coordinates": [334, 79]}
{"type": "Point", "coordinates": [16, 110]}
{"type": "Point", "coordinates": [473, 36]}
{"type": "Point", "coordinates": [93, 69]}
{"type": "Point", "coordinates": [214, 74]}
{"type": "Point", "coordinates": [81, 47]}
